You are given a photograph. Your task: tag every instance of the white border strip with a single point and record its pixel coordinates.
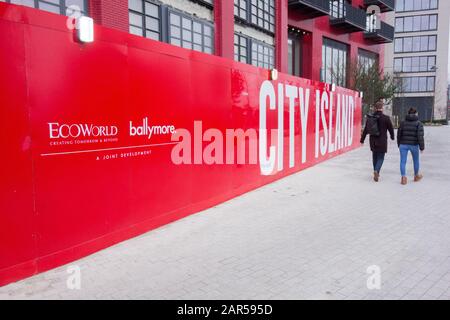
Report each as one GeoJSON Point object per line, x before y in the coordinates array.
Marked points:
{"type": "Point", "coordinates": [107, 149]}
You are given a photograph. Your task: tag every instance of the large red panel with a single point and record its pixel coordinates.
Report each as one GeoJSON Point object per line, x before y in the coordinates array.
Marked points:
{"type": "Point", "coordinates": [76, 175]}
{"type": "Point", "coordinates": [17, 238]}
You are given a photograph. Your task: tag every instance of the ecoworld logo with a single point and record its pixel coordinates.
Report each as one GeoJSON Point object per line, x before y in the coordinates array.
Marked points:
{"type": "Point", "coordinates": [144, 129]}
{"type": "Point", "coordinates": [77, 130]}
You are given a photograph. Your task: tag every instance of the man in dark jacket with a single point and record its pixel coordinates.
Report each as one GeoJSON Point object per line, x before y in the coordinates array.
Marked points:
{"type": "Point", "coordinates": [379, 143]}
{"type": "Point", "coordinates": [410, 138]}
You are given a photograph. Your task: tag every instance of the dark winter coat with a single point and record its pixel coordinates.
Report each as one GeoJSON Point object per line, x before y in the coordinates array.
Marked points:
{"type": "Point", "coordinates": [411, 132]}
{"type": "Point", "coordinates": [379, 143]}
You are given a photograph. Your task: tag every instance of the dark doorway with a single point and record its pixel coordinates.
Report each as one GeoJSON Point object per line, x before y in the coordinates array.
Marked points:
{"type": "Point", "coordinates": [294, 54]}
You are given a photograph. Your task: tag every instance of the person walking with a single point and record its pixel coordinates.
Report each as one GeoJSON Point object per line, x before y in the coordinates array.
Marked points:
{"type": "Point", "coordinates": [377, 126]}
{"type": "Point", "coordinates": [410, 138]}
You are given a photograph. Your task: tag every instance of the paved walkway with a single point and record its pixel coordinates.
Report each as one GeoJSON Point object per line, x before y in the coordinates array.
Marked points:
{"type": "Point", "coordinates": [311, 235]}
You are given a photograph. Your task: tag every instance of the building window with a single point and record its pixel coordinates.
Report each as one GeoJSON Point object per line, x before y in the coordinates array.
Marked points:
{"type": "Point", "coordinates": [262, 55]}
{"type": "Point", "coordinates": [291, 56]}
{"type": "Point", "coordinates": [366, 59]}
{"type": "Point", "coordinates": [417, 84]}
{"type": "Point", "coordinates": [145, 19]}
{"type": "Point", "coordinates": [55, 6]}
{"type": "Point", "coordinates": [263, 14]}
{"type": "Point", "coordinates": [190, 33]}
{"type": "Point", "coordinates": [415, 64]}
{"type": "Point", "coordinates": [415, 44]}
{"type": "Point", "coordinates": [160, 22]}
{"type": "Point", "coordinates": [252, 51]}
{"type": "Point", "coordinates": [334, 62]}
{"type": "Point", "coordinates": [240, 9]}
{"type": "Point", "coordinates": [294, 54]}
{"type": "Point", "coordinates": [415, 5]}
{"type": "Point", "coordinates": [259, 13]}
{"type": "Point", "coordinates": [426, 22]}
{"type": "Point", "coordinates": [241, 48]}
{"type": "Point", "coordinates": [338, 8]}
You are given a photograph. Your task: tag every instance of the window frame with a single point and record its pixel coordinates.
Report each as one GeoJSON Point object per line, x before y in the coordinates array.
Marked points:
{"type": "Point", "coordinates": [295, 63]}
{"type": "Point", "coordinates": [331, 46]}
{"type": "Point", "coordinates": [240, 48]}
{"type": "Point", "coordinates": [144, 20]}
{"type": "Point", "coordinates": [249, 4]}
{"type": "Point", "coordinates": [420, 43]}
{"type": "Point", "coordinates": [207, 38]}
{"type": "Point", "coordinates": [62, 6]}
{"type": "Point", "coordinates": [410, 80]}
{"type": "Point", "coordinates": [250, 52]}
{"type": "Point", "coordinates": [403, 19]}
{"type": "Point", "coordinates": [402, 62]}
{"type": "Point", "coordinates": [261, 44]}
{"type": "Point", "coordinates": [399, 2]}
{"type": "Point", "coordinates": [368, 56]}
{"type": "Point", "coordinates": [193, 20]}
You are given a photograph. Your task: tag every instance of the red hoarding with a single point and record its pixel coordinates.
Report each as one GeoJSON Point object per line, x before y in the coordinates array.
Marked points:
{"type": "Point", "coordinates": [104, 141]}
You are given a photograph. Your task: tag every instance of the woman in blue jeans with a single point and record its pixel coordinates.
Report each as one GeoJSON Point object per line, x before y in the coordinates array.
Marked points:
{"type": "Point", "coordinates": [410, 138]}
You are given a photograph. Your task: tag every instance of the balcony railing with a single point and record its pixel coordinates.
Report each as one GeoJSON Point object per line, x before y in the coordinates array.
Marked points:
{"type": "Point", "coordinates": [384, 5]}
{"type": "Point", "coordinates": [345, 16]}
{"type": "Point", "coordinates": [311, 8]}
{"type": "Point", "coordinates": [383, 34]}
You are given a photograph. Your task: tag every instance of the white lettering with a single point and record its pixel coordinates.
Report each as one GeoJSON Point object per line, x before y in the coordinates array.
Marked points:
{"type": "Point", "coordinates": [266, 163]}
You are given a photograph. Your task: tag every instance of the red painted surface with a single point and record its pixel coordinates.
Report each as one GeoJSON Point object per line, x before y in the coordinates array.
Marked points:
{"type": "Point", "coordinates": [62, 202]}
{"type": "Point", "coordinates": [224, 28]}
{"type": "Point", "coordinates": [281, 35]}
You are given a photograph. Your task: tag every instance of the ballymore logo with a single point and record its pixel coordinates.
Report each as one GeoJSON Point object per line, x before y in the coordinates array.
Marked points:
{"type": "Point", "coordinates": [145, 129]}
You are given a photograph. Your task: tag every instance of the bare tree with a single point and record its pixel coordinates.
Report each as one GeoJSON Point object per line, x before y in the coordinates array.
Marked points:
{"type": "Point", "coordinates": [374, 84]}
{"type": "Point", "coordinates": [371, 81]}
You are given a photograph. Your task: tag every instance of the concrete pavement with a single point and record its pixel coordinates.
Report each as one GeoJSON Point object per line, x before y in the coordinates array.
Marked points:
{"type": "Point", "coordinates": [312, 235]}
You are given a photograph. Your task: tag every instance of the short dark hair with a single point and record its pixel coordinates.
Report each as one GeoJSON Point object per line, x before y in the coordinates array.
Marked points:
{"type": "Point", "coordinates": [379, 105]}
{"type": "Point", "coordinates": [412, 111]}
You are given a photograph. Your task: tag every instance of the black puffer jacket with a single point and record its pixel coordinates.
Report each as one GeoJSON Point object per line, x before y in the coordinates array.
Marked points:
{"type": "Point", "coordinates": [411, 132]}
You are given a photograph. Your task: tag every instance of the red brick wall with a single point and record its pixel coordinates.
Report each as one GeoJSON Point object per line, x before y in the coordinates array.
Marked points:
{"type": "Point", "coordinates": [110, 13]}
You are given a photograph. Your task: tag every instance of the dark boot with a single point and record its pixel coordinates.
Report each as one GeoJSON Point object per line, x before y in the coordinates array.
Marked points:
{"type": "Point", "coordinates": [404, 180]}
{"type": "Point", "coordinates": [376, 176]}
{"type": "Point", "coordinates": [418, 177]}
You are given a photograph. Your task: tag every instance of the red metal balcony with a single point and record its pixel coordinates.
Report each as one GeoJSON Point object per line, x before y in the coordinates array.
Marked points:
{"type": "Point", "coordinates": [343, 15]}
{"type": "Point", "coordinates": [385, 34]}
